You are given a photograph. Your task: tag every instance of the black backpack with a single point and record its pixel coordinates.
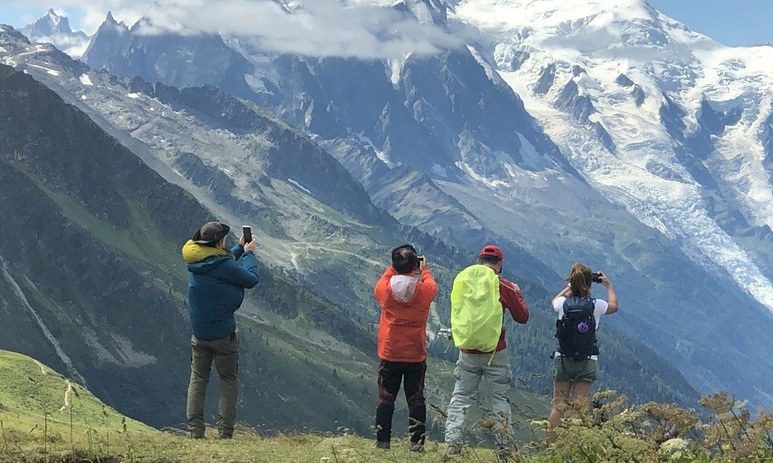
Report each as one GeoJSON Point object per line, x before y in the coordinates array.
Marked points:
{"type": "Point", "coordinates": [576, 330]}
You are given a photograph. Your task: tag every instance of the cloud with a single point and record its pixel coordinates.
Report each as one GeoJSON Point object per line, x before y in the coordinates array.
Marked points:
{"type": "Point", "coordinates": [85, 16]}
{"type": "Point", "coordinates": [360, 29]}
{"type": "Point", "coordinates": [366, 29]}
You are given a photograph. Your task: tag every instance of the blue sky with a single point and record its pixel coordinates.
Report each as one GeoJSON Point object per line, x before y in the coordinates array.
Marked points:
{"type": "Point", "coordinates": [732, 22]}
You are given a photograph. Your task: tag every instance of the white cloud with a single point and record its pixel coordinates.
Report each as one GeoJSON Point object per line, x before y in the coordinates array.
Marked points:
{"type": "Point", "coordinates": [317, 28]}
{"type": "Point", "coordinates": [84, 16]}
{"type": "Point", "coordinates": [345, 28]}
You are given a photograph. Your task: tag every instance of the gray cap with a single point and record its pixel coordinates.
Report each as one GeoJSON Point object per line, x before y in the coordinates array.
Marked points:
{"type": "Point", "coordinates": [210, 233]}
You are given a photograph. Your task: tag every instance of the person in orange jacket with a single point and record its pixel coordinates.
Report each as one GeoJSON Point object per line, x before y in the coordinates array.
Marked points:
{"type": "Point", "coordinates": [404, 292]}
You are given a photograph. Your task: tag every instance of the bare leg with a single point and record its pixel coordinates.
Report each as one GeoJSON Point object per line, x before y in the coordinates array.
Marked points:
{"type": "Point", "coordinates": [560, 398]}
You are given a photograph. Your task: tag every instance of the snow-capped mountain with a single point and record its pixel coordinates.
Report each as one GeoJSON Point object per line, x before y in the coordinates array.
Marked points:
{"type": "Point", "coordinates": [598, 132]}
{"type": "Point", "coordinates": [55, 29]}
{"type": "Point", "coordinates": [685, 120]}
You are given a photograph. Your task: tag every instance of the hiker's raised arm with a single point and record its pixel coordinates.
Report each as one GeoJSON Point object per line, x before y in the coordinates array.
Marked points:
{"type": "Point", "coordinates": [566, 292]}
{"type": "Point", "coordinates": [512, 299]}
{"type": "Point", "coordinates": [611, 295]}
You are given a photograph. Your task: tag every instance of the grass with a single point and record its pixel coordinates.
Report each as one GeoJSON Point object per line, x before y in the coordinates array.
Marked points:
{"type": "Point", "coordinates": [46, 418]}
{"type": "Point", "coordinates": [245, 447]}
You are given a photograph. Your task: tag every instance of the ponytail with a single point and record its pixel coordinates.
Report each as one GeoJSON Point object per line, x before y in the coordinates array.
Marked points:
{"type": "Point", "coordinates": [580, 280]}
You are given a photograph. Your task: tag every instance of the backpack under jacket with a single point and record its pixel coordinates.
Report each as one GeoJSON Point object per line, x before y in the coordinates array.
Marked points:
{"type": "Point", "coordinates": [476, 313]}
{"type": "Point", "coordinates": [576, 329]}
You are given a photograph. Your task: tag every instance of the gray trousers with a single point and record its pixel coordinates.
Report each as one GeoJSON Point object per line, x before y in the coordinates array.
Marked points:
{"type": "Point", "coordinates": [470, 369]}
{"type": "Point", "coordinates": [225, 354]}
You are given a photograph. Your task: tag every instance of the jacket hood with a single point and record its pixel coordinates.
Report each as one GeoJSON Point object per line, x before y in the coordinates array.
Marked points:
{"type": "Point", "coordinates": [197, 256]}
{"type": "Point", "coordinates": [403, 287]}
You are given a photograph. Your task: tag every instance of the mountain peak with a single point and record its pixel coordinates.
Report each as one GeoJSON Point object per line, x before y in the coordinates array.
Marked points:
{"type": "Point", "coordinates": [426, 11]}
{"type": "Point", "coordinates": [48, 25]}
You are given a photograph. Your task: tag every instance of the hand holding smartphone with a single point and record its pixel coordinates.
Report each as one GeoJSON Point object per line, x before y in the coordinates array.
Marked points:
{"type": "Point", "coordinates": [247, 233]}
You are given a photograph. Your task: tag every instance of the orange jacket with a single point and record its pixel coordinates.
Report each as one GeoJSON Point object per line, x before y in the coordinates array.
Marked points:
{"type": "Point", "coordinates": [402, 332]}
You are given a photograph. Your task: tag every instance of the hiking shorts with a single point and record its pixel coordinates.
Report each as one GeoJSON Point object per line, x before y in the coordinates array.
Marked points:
{"type": "Point", "coordinates": [566, 370]}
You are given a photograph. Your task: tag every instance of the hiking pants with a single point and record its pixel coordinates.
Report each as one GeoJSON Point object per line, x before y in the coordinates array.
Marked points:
{"type": "Point", "coordinates": [470, 369]}
{"type": "Point", "coordinates": [225, 353]}
{"type": "Point", "coordinates": [390, 375]}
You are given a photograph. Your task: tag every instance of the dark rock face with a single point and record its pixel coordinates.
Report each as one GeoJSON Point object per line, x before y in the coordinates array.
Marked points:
{"type": "Point", "coordinates": [546, 79]}
{"type": "Point", "coordinates": [180, 61]}
{"type": "Point", "coordinates": [580, 107]}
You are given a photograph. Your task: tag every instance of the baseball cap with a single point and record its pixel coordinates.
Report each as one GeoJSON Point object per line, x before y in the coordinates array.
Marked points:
{"type": "Point", "coordinates": [211, 232]}
{"type": "Point", "coordinates": [491, 250]}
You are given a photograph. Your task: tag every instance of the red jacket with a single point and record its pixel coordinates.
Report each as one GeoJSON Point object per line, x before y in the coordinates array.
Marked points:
{"type": "Point", "coordinates": [402, 328]}
{"type": "Point", "coordinates": [512, 301]}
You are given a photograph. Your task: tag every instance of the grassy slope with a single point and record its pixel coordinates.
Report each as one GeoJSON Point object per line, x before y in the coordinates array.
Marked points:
{"type": "Point", "coordinates": [41, 421]}
{"type": "Point", "coordinates": [44, 418]}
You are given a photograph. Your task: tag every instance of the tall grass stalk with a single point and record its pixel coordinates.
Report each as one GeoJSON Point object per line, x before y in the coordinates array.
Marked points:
{"type": "Point", "coordinates": [45, 434]}
{"type": "Point", "coordinates": [72, 442]}
{"type": "Point", "coordinates": [5, 441]}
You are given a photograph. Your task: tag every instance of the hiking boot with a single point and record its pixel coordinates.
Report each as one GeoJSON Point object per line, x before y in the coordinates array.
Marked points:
{"type": "Point", "coordinates": [454, 448]}
{"type": "Point", "coordinates": [196, 434]}
{"type": "Point", "coordinates": [503, 454]}
{"type": "Point", "coordinates": [417, 447]}
{"type": "Point", "coordinates": [382, 444]}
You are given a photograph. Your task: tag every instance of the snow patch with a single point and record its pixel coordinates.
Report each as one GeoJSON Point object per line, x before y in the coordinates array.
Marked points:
{"type": "Point", "coordinates": [439, 170]}
{"type": "Point", "coordinates": [396, 68]}
{"type": "Point", "coordinates": [85, 80]}
{"type": "Point", "coordinates": [49, 71]}
{"type": "Point", "coordinates": [299, 186]}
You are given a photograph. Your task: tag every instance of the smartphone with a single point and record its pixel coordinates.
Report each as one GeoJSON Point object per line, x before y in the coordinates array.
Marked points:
{"type": "Point", "coordinates": [421, 259]}
{"type": "Point", "coordinates": [247, 233]}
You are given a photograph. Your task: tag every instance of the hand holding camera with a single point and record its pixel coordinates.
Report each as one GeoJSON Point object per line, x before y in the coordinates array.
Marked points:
{"type": "Point", "coordinates": [599, 277]}
{"type": "Point", "coordinates": [246, 240]}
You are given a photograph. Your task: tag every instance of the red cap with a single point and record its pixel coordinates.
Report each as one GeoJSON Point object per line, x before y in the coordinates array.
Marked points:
{"type": "Point", "coordinates": [491, 250]}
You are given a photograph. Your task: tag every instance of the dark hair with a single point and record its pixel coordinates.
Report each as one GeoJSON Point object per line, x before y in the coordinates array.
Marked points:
{"type": "Point", "coordinates": [404, 259]}
{"type": "Point", "coordinates": [580, 280]}
{"type": "Point", "coordinates": [489, 259]}
{"type": "Point", "coordinates": [213, 244]}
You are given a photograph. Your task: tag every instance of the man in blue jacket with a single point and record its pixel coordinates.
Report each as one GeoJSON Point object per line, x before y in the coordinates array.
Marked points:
{"type": "Point", "coordinates": [215, 291]}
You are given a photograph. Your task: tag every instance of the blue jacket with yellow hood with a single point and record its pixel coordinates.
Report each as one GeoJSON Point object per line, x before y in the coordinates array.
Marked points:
{"type": "Point", "coordinates": [216, 287]}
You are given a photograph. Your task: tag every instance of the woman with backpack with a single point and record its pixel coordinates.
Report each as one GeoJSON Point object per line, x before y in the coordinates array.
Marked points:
{"type": "Point", "coordinates": [575, 361]}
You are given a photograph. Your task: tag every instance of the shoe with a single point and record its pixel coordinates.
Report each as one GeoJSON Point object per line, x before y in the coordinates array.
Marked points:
{"type": "Point", "coordinates": [383, 445]}
{"type": "Point", "coordinates": [503, 454]}
{"type": "Point", "coordinates": [454, 448]}
{"type": "Point", "coordinates": [196, 434]}
{"type": "Point", "coordinates": [417, 447]}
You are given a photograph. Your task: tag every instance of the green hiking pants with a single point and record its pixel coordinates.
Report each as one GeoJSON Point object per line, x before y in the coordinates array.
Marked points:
{"type": "Point", "coordinates": [225, 354]}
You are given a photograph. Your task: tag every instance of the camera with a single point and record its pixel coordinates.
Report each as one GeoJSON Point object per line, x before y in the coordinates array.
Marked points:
{"type": "Point", "coordinates": [247, 233]}
{"type": "Point", "coordinates": [596, 277]}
